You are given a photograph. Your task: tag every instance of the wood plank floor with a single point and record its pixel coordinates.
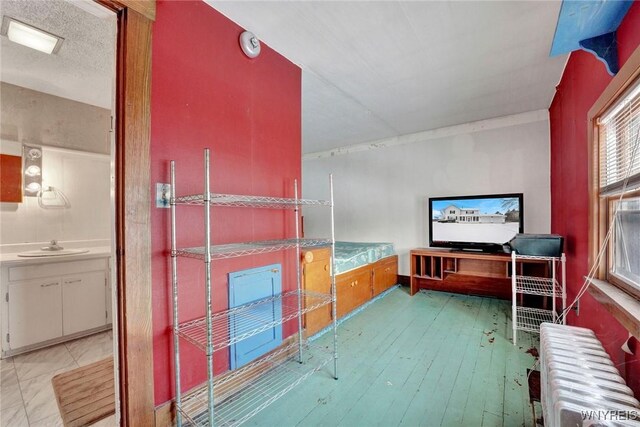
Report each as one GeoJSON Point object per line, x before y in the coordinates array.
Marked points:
{"type": "Point", "coordinates": [435, 359]}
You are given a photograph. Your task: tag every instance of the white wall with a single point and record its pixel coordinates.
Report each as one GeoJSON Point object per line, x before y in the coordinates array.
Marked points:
{"type": "Point", "coordinates": [381, 193]}
{"type": "Point", "coordinates": [85, 179]}
{"type": "Point", "coordinates": [38, 118]}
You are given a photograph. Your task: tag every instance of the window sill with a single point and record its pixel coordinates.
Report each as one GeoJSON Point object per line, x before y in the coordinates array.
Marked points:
{"type": "Point", "coordinates": [624, 307]}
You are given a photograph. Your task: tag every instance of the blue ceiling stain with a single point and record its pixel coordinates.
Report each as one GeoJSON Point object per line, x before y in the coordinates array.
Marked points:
{"type": "Point", "coordinates": [581, 20]}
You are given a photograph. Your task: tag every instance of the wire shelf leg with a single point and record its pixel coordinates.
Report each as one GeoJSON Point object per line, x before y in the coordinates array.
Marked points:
{"type": "Point", "coordinates": [333, 284]}
{"type": "Point", "coordinates": [207, 268]}
{"type": "Point", "coordinates": [299, 276]}
{"type": "Point", "coordinates": [514, 313]}
{"type": "Point", "coordinates": [554, 266]}
{"type": "Point", "coordinates": [174, 288]}
{"type": "Point", "coordinates": [564, 288]}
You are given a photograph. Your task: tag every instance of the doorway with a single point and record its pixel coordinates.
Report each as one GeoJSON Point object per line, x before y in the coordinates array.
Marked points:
{"type": "Point", "coordinates": [63, 104]}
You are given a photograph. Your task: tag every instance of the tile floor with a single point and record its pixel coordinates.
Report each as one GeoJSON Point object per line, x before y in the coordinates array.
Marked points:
{"type": "Point", "coordinates": [27, 397]}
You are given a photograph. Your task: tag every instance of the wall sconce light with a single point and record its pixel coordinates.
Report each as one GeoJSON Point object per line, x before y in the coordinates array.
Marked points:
{"type": "Point", "coordinates": [32, 170]}
{"type": "Point", "coordinates": [30, 36]}
{"type": "Point", "coordinates": [32, 180]}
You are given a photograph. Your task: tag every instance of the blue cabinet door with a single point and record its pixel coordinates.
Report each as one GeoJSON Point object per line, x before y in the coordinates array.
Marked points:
{"type": "Point", "coordinates": [247, 286]}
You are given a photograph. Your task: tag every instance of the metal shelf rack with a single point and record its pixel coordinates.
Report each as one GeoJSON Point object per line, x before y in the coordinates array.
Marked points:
{"type": "Point", "coordinates": [233, 250]}
{"type": "Point", "coordinates": [554, 287]}
{"type": "Point", "coordinates": [235, 396]}
{"type": "Point", "coordinates": [248, 320]}
{"type": "Point", "coordinates": [235, 200]}
{"type": "Point", "coordinates": [542, 286]}
{"type": "Point", "coordinates": [262, 382]}
{"type": "Point", "coordinates": [529, 319]}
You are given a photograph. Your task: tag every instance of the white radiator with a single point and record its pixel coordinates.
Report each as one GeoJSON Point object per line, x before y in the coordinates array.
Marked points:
{"type": "Point", "coordinates": [579, 384]}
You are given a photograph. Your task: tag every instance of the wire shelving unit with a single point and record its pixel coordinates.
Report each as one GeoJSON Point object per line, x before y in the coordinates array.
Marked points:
{"type": "Point", "coordinates": [262, 383]}
{"type": "Point", "coordinates": [542, 286]}
{"type": "Point", "coordinates": [233, 250]}
{"type": "Point", "coordinates": [232, 398]}
{"type": "Point", "coordinates": [530, 319]}
{"type": "Point", "coordinates": [553, 288]}
{"type": "Point", "coordinates": [234, 200]}
{"type": "Point", "coordinates": [248, 319]}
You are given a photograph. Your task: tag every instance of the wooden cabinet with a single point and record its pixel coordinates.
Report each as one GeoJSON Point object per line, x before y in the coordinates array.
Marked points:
{"type": "Point", "coordinates": [384, 274]}
{"type": "Point", "coordinates": [83, 302]}
{"type": "Point", "coordinates": [35, 311]}
{"type": "Point", "coordinates": [51, 302]}
{"type": "Point", "coordinates": [353, 289]}
{"type": "Point", "coordinates": [317, 278]}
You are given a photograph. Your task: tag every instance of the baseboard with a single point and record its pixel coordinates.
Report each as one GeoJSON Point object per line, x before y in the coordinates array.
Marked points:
{"type": "Point", "coordinates": [165, 414]}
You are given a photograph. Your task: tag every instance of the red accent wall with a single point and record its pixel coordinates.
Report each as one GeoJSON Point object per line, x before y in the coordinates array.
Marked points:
{"type": "Point", "coordinates": [206, 93]}
{"type": "Point", "coordinates": [583, 81]}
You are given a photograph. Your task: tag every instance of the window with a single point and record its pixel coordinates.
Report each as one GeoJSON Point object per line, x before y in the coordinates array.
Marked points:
{"type": "Point", "coordinates": [618, 186]}
{"type": "Point", "coordinates": [626, 242]}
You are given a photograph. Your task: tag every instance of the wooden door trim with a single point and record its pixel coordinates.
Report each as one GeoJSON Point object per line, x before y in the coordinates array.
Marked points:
{"type": "Point", "coordinates": [133, 230]}
{"type": "Point", "coordinates": [146, 8]}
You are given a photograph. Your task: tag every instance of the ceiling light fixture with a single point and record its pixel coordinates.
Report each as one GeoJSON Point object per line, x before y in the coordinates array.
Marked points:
{"type": "Point", "coordinates": [30, 36]}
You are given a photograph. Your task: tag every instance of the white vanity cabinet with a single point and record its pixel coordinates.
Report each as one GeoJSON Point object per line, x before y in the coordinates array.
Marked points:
{"type": "Point", "coordinates": [84, 302]}
{"type": "Point", "coordinates": [35, 311]}
{"type": "Point", "coordinates": [51, 302]}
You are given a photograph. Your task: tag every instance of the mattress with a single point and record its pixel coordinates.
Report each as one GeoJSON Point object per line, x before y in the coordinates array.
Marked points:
{"type": "Point", "coordinates": [351, 255]}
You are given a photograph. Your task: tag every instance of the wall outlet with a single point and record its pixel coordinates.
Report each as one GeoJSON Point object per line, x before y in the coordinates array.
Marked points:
{"type": "Point", "coordinates": [163, 195]}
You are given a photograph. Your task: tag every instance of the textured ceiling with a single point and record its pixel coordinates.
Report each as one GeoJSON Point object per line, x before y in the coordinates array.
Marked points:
{"type": "Point", "coordinates": [379, 69]}
{"type": "Point", "coordinates": [371, 70]}
{"type": "Point", "coordinates": [83, 69]}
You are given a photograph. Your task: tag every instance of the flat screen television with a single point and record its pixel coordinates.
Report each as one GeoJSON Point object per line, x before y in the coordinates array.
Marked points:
{"type": "Point", "coordinates": [478, 223]}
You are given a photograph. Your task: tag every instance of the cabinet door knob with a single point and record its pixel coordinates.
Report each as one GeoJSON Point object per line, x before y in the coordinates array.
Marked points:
{"type": "Point", "coordinates": [326, 267]}
{"type": "Point", "coordinates": [72, 281]}
{"type": "Point", "coordinates": [46, 285]}
{"type": "Point", "coordinates": [308, 256]}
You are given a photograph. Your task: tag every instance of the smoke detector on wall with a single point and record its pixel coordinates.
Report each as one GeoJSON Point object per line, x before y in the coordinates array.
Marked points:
{"type": "Point", "coordinates": [250, 44]}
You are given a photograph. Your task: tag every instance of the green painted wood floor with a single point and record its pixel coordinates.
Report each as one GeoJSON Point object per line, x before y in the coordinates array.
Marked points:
{"type": "Point", "coordinates": [435, 359]}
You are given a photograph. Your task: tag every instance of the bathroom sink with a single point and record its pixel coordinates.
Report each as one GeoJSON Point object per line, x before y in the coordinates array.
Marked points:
{"type": "Point", "coordinates": [45, 253]}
